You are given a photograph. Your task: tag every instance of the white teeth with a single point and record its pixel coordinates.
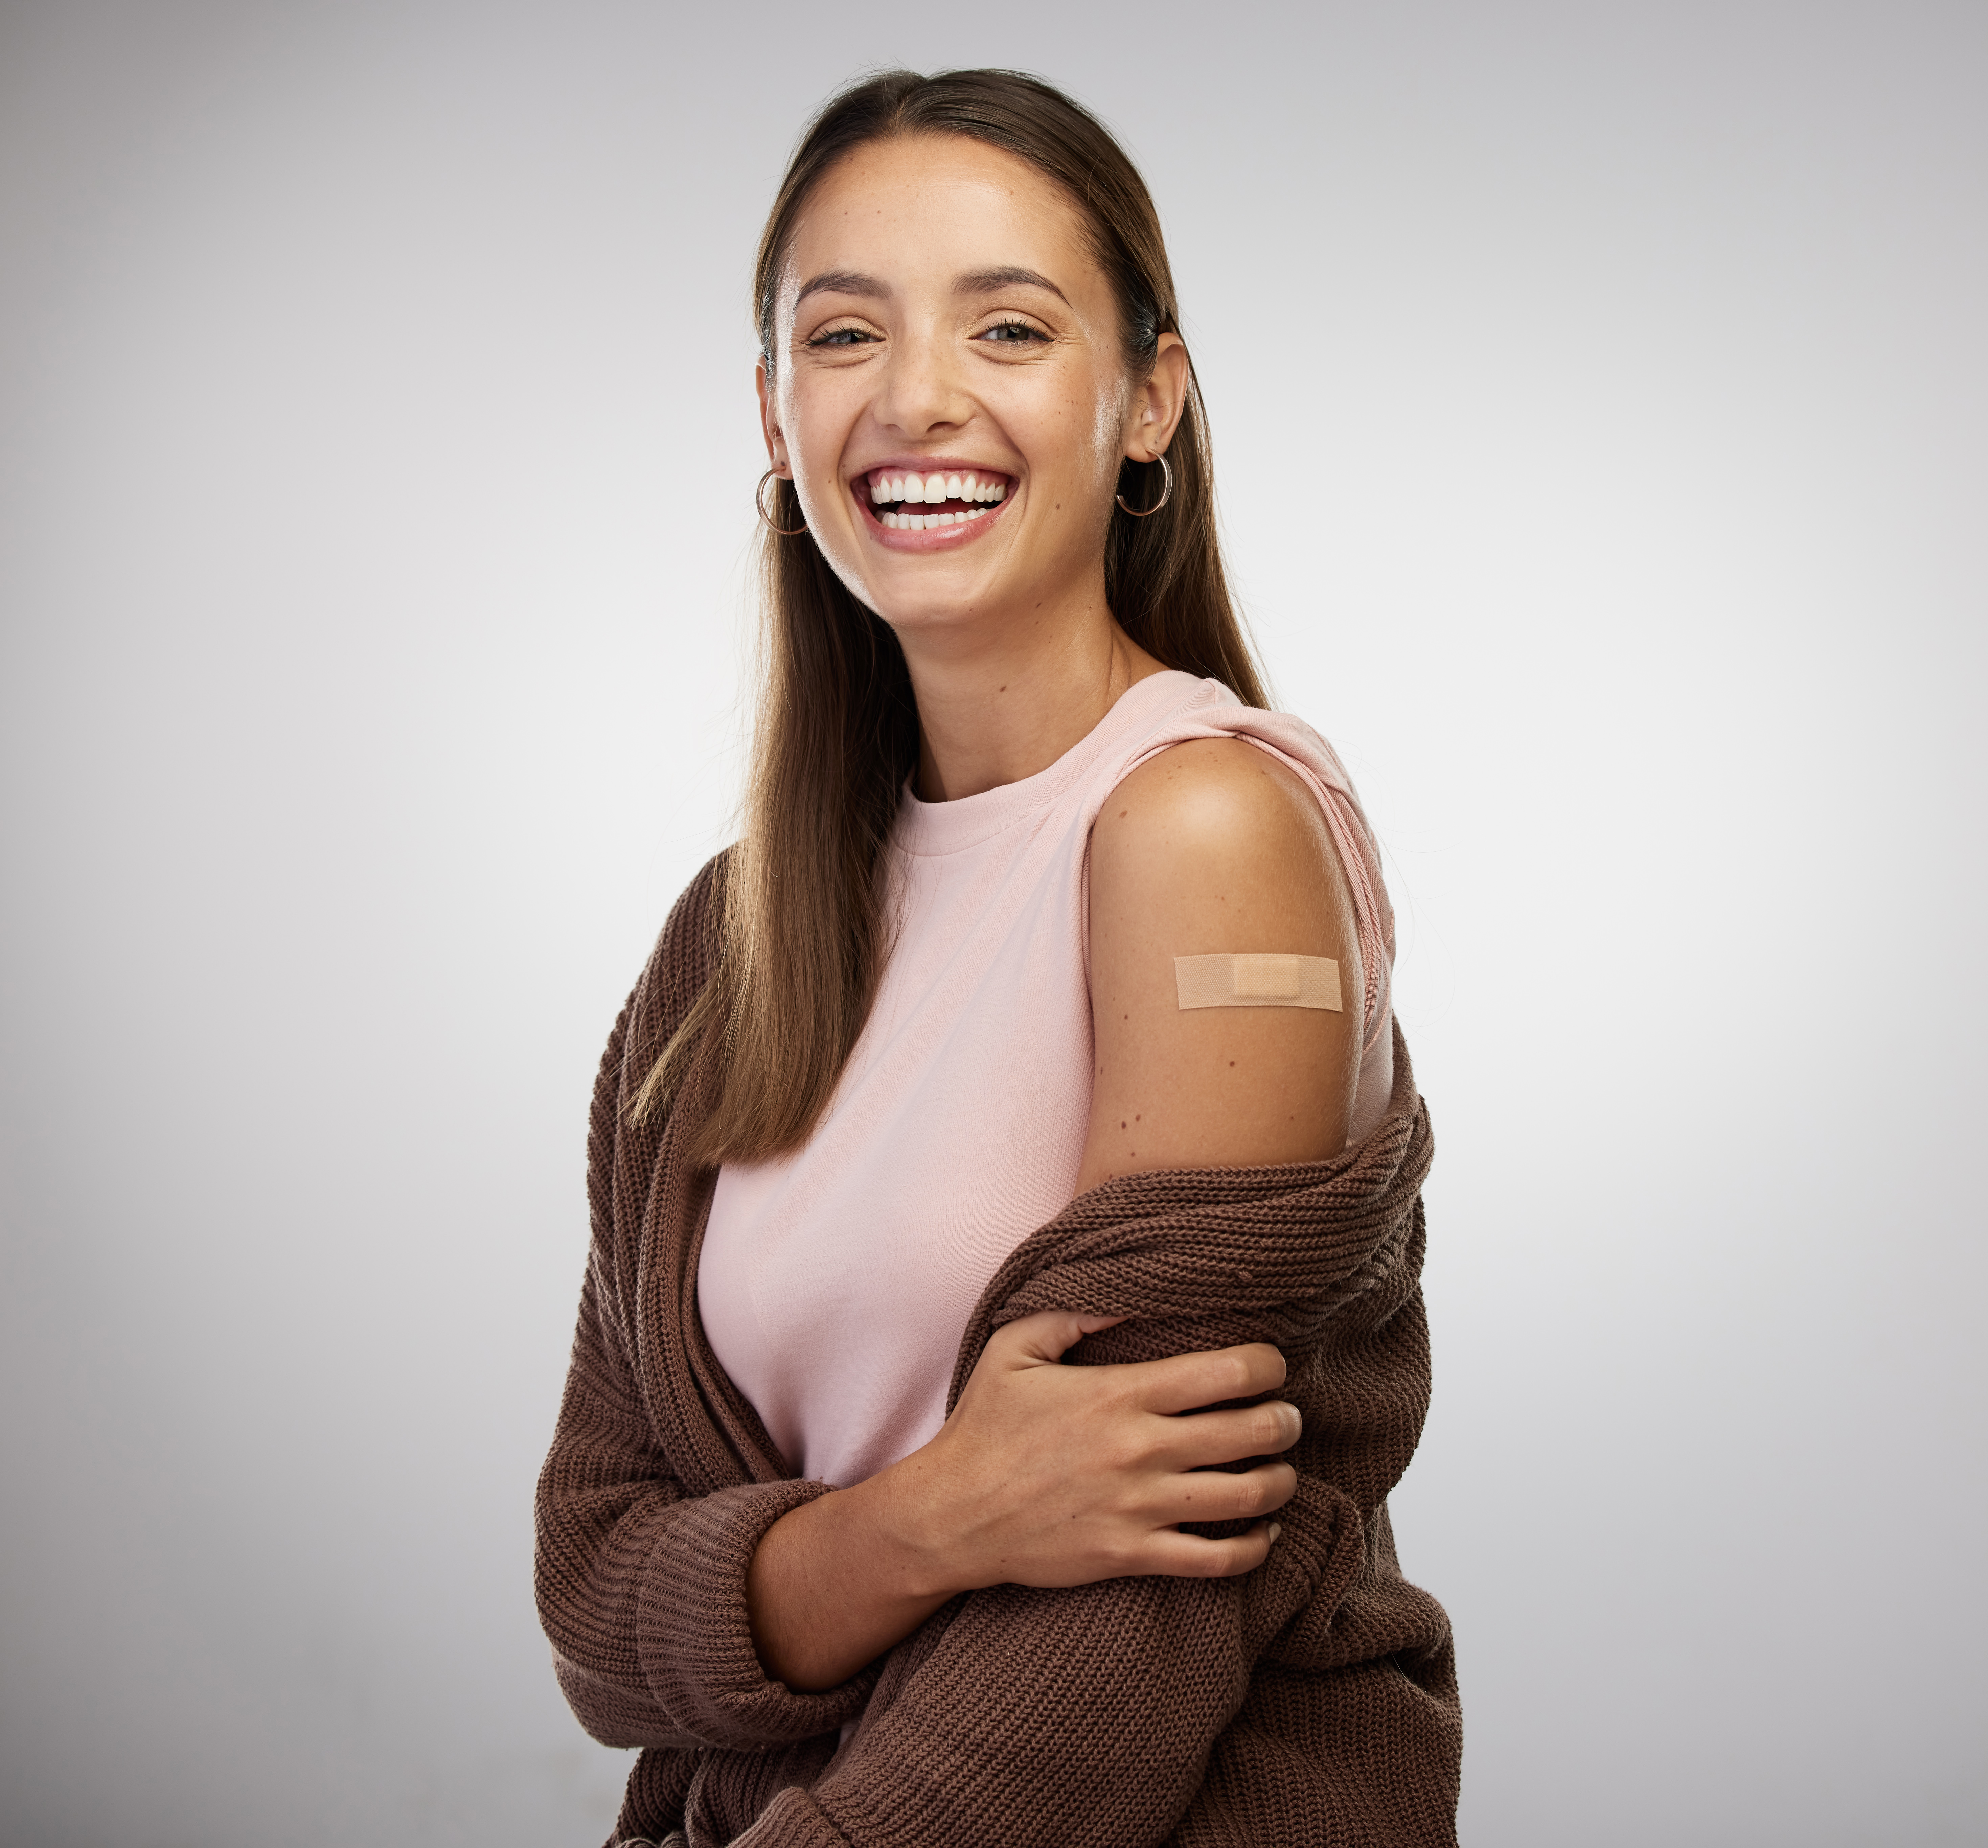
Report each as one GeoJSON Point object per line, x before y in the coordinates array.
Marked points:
{"type": "Point", "coordinates": [967, 487]}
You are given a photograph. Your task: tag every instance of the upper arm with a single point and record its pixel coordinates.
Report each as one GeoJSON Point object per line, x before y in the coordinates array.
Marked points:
{"type": "Point", "coordinates": [1215, 847]}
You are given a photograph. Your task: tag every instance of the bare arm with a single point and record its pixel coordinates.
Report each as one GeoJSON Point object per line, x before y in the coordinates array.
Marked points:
{"type": "Point", "coordinates": [1213, 848]}
{"type": "Point", "coordinates": [1047, 1475]}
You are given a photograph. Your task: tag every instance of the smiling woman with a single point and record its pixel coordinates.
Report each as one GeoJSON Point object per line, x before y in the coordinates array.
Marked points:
{"type": "Point", "coordinates": [1024, 1081]}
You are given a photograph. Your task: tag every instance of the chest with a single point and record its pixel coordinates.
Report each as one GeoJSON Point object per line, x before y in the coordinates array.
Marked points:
{"type": "Point", "coordinates": [834, 1285]}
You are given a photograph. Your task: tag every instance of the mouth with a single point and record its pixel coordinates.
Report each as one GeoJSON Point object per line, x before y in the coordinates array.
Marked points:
{"type": "Point", "coordinates": [947, 503]}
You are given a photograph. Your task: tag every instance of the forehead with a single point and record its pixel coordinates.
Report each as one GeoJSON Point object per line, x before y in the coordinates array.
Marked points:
{"type": "Point", "coordinates": [934, 207]}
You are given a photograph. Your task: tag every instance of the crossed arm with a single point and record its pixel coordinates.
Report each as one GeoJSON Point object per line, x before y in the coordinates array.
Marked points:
{"type": "Point", "coordinates": [1050, 1476]}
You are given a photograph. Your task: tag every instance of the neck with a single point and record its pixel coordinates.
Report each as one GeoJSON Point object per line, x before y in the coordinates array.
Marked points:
{"type": "Point", "coordinates": [999, 704]}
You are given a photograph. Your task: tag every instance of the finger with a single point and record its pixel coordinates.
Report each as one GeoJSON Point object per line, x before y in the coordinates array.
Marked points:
{"type": "Point", "coordinates": [1187, 1382]}
{"type": "Point", "coordinates": [1227, 1437]}
{"type": "Point", "coordinates": [1193, 1557]}
{"type": "Point", "coordinates": [1222, 1495]}
{"type": "Point", "coordinates": [1048, 1335]}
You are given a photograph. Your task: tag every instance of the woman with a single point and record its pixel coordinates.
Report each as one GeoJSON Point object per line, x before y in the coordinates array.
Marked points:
{"type": "Point", "coordinates": [1039, 1016]}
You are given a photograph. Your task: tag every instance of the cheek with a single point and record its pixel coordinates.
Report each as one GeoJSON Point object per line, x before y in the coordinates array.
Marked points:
{"type": "Point", "coordinates": [1097, 408]}
{"type": "Point", "coordinates": [1097, 415]}
{"type": "Point", "coordinates": [809, 416]}
{"type": "Point", "coordinates": [1075, 433]}
{"type": "Point", "coordinates": [1110, 424]}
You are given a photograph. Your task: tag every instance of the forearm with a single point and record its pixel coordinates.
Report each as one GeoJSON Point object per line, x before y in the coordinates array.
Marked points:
{"type": "Point", "coordinates": [837, 1582]}
{"type": "Point", "coordinates": [1091, 1708]}
{"type": "Point", "coordinates": [641, 1588]}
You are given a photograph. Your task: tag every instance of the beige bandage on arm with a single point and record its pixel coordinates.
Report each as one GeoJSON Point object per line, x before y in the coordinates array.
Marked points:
{"type": "Point", "coordinates": [1258, 981]}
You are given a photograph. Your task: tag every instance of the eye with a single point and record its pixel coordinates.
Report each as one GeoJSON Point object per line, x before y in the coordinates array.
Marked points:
{"type": "Point", "coordinates": [843, 336]}
{"type": "Point", "coordinates": [1011, 333]}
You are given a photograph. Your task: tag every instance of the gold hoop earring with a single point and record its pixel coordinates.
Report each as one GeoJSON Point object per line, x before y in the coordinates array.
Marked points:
{"type": "Point", "coordinates": [759, 501]}
{"type": "Point", "coordinates": [1166, 492]}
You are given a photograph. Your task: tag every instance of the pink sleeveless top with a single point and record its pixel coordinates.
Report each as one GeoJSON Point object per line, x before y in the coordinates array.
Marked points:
{"type": "Point", "coordinates": [834, 1284]}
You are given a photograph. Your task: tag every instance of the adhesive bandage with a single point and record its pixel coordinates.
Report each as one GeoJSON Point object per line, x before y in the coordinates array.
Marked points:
{"type": "Point", "coordinates": [1258, 981]}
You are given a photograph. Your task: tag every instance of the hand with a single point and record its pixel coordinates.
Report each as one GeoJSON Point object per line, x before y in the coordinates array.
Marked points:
{"type": "Point", "coordinates": [1045, 1474]}
{"type": "Point", "coordinates": [1053, 1475]}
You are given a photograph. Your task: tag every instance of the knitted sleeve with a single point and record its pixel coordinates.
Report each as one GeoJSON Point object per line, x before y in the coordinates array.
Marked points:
{"type": "Point", "coordinates": [1092, 1714]}
{"type": "Point", "coordinates": [641, 1585]}
{"type": "Point", "coordinates": [1366, 1751]}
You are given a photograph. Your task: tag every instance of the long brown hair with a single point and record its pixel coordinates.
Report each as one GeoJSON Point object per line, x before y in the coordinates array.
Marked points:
{"type": "Point", "coordinates": [805, 902]}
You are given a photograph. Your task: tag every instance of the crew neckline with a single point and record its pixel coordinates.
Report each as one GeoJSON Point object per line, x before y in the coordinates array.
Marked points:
{"type": "Point", "coordinates": [928, 829]}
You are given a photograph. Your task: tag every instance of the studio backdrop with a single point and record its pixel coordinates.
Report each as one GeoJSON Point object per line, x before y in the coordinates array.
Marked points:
{"type": "Point", "coordinates": [1597, 393]}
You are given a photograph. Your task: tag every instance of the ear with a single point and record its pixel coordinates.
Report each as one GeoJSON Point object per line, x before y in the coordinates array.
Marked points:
{"type": "Point", "coordinates": [1154, 412]}
{"type": "Point", "coordinates": [769, 422]}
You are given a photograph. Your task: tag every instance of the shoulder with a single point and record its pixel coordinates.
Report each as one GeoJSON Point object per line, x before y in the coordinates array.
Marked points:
{"type": "Point", "coordinates": [688, 944]}
{"type": "Point", "coordinates": [683, 961]}
{"type": "Point", "coordinates": [1210, 808]}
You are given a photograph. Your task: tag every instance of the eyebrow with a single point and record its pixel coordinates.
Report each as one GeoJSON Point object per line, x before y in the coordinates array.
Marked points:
{"type": "Point", "coordinates": [841, 282]}
{"type": "Point", "coordinates": [980, 282]}
{"type": "Point", "coordinates": [990, 282]}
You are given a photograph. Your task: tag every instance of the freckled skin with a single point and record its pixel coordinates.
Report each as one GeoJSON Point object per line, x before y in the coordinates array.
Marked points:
{"type": "Point", "coordinates": [1024, 380]}
{"type": "Point", "coordinates": [1218, 848]}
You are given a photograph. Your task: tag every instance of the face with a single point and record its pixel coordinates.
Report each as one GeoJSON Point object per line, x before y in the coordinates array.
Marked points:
{"type": "Point", "coordinates": [950, 395]}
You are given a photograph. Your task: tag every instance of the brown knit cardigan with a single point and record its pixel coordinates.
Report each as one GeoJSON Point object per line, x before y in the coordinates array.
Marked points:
{"type": "Point", "coordinates": [1313, 1701]}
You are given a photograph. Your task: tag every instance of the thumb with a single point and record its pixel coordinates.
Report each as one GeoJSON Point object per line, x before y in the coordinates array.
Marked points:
{"type": "Point", "coordinates": [1050, 1333]}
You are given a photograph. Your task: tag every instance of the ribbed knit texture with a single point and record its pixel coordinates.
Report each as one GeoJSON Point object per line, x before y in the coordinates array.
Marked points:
{"type": "Point", "coordinates": [1311, 1701]}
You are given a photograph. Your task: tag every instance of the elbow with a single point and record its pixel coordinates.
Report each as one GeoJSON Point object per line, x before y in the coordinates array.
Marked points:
{"type": "Point", "coordinates": [611, 1716]}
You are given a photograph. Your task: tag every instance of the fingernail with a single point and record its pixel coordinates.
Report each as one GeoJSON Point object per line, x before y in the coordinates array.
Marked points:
{"type": "Point", "coordinates": [1275, 1530]}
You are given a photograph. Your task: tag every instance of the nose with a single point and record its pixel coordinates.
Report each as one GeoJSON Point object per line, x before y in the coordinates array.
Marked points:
{"type": "Point", "coordinates": [923, 391]}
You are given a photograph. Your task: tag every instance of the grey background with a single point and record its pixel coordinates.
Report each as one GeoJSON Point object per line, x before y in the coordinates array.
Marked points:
{"type": "Point", "coordinates": [1599, 397]}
